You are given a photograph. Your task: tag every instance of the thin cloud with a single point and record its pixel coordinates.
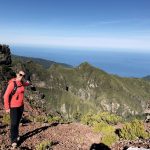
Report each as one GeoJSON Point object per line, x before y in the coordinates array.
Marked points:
{"type": "Point", "coordinates": [98, 23]}
{"type": "Point", "coordinates": [117, 22]}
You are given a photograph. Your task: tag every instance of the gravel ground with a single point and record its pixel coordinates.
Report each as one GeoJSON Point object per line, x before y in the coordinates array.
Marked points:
{"type": "Point", "coordinates": [73, 136]}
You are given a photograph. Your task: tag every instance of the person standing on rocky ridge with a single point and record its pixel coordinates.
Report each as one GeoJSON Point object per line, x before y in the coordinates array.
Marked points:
{"type": "Point", "coordinates": [15, 107]}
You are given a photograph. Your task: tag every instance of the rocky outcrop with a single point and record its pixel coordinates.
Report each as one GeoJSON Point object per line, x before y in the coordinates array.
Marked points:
{"type": "Point", "coordinates": [6, 72]}
{"type": "Point", "coordinates": [5, 55]}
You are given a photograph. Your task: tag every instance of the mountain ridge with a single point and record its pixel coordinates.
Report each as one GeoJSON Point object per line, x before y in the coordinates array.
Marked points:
{"type": "Point", "coordinates": [86, 87]}
{"type": "Point", "coordinates": [44, 62]}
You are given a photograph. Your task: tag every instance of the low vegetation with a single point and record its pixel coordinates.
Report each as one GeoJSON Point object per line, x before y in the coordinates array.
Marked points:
{"type": "Point", "coordinates": [133, 130]}
{"type": "Point", "coordinates": [104, 123]}
{"type": "Point", "coordinates": [46, 119]}
{"type": "Point", "coordinates": [44, 145]}
{"type": "Point", "coordinates": [105, 117]}
{"type": "Point", "coordinates": [6, 119]}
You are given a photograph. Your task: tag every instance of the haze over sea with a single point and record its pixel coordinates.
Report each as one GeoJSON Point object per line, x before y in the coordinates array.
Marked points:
{"type": "Point", "coordinates": [126, 64]}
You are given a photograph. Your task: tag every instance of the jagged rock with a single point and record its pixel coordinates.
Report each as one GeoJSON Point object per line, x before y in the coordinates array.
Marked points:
{"type": "Point", "coordinates": [147, 113]}
{"type": "Point", "coordinates": [5, 55]}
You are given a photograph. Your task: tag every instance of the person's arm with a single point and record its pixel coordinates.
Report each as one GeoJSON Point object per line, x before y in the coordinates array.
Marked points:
{"type": "Point", "coordinates": [27, 80]}
{"type": "Point", "coordinates": [27, 83]}
{"type": "Point", "coordinates": [6, 96]}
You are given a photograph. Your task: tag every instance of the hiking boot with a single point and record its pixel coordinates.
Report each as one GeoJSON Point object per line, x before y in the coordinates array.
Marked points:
{"type": "Point", "coordinates": [13, 145]}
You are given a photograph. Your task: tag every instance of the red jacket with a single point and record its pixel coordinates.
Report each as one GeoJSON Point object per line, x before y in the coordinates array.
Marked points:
{"type": "Point", "coordinates": [17, 98]}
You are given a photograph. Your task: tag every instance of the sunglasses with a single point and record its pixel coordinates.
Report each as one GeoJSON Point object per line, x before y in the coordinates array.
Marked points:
{"type": "Point", "coordinates": [22, 75]}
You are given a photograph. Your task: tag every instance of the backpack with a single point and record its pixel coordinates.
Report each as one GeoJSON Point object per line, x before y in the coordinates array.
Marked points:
{"type": "Point", "coordinates": [12, 93]}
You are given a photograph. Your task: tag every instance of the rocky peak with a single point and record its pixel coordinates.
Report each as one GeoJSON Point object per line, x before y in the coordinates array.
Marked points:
{"type": "Point", "coordinates": [85, 65]}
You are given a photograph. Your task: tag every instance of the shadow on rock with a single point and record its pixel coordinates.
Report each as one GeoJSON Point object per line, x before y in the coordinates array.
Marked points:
{"type": "Point", "coordinates": [99, 146]}
{"type": "Point", "coordinates": [34, 132]}
{"type": "Point", "coordinates": [25, 148]}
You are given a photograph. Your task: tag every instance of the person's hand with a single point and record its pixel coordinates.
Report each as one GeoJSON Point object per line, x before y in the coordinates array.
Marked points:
{"type": "Point", "coordinates": [8, 111]}
{"type": "Point", "coordinates": [33, 88]}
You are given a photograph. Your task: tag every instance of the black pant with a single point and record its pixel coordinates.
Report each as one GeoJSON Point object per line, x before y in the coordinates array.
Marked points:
{"type": "Point", "coordinates": [15, 117]}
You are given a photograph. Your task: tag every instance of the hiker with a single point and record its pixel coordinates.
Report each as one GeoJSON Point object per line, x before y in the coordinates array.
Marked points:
{"type": "Point", "coordinates": [15, 106]}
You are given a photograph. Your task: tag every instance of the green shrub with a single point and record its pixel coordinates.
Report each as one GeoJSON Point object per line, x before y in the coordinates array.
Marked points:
{"type": "Point", "coordinates": [77, 116]}
{"type": "Point", "coordinates": [106, 117]}
{"type": "Point", "coordinates": [41, 119]}
{"type": "Point", "coordinates": [133, 130]}
{"type": "Point", "coordinates": [57, 119]}
{"type": "Point", "coordinates": [108, 131]}
{"type": "Point", "coordinates": [109, 139]}
{"type": "Point", "coordinates": [6, 119]}
{"type": "Point", "coordinates": [103, 127]}
{"type": "Point", "coordinates": [109, 118]}
{"type": "Point", "coordinates": [49, 119]}
{"type": "Point", "coordinates": [88, 119]}
{"type": "Point", "coordinates": [44, 145]}
{"type": "Point", "coordinates": [46, 119]}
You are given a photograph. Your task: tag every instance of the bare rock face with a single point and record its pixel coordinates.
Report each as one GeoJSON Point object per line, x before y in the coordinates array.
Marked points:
{"type": "Point", "coordinates": [6, 72]}
{"type": "Point", "coordinates": [5, 55]}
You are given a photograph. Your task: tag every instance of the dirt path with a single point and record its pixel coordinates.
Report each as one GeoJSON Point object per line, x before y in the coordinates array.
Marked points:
{"type": "Point", "coordinates": [72, 136]}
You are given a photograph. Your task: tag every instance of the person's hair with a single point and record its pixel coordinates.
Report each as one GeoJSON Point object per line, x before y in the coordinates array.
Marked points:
{"type": "Point", "coordinates": [18, 70]}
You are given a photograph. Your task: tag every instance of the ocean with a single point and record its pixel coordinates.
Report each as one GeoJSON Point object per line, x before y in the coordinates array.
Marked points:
{"type": "Point", "coordinates": [125, 64]}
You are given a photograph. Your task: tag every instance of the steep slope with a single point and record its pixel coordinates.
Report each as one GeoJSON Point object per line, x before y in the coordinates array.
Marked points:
{"type": "Point", "coordinates": [86, 88]}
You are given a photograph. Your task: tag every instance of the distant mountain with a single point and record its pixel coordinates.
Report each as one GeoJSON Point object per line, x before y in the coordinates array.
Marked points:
{"type": "Point", "coordinates": [147, 78]}
{"type": "Point", "coordinates": [45, 63]}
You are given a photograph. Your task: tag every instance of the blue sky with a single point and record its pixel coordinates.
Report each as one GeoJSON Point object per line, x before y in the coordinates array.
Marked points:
{"type": "Point", "coordinates": [87, 24]}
